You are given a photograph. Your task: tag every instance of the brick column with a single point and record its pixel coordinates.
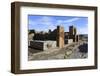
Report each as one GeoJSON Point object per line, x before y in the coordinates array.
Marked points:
{"type": "Point", "coordinates": [60, 36]}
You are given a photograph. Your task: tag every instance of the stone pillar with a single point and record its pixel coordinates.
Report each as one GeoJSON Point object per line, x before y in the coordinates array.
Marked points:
{"type": "Point", "coordinates": [60, 36]}
{"type": "Point", "coordinates": [74, 38]}
{"type": "Point", "coordinates": [72, 33]}
{"type": "Point", "coordinates": [72, 30]}
{"type": "Point", "coordinates": [77, 38]}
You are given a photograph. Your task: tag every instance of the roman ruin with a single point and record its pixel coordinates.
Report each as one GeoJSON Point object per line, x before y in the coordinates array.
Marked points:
{"type": "Point", "coordinates": [52, 39]}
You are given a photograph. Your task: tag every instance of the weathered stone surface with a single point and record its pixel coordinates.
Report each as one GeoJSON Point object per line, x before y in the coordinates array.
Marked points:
{"type": "Point", "coordinates": [43, 45]}
{"type": "Point", "coordinates": [68, 52]}
{"type": "Point", "coordinates": [68, 41]}
{"type": "Point", "coordinates": [60, 36]}
{"type": "Point", "coordinates": [36, 45]}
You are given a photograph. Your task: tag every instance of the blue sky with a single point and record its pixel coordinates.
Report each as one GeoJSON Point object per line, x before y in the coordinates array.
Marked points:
{"type": "Point", "coordinates": [44, 23]}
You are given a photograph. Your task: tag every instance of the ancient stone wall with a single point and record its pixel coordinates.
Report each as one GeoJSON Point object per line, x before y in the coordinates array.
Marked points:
{"type": "Point", "coordinates": [73, 34]}
{"type": "Point", "coordinates": [57, 35]}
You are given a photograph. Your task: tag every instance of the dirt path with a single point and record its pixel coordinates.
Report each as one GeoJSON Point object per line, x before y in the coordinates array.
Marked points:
{"type": "Point", "coordinates": [70, 51]}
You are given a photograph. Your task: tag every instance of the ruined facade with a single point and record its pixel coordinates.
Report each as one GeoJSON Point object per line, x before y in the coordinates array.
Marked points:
{"type": "Point", "coordinates": [73, 34]}
{"type": "Point", "coordinates": [57, 35]}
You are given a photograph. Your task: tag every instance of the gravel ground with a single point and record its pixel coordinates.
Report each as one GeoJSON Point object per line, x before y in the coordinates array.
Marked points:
{"type": "Point", "coordinates": [71, 51]}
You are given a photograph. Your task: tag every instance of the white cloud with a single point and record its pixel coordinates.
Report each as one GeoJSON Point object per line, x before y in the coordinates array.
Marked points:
{"type": "Point", "coordinates": [48, 23]}
{"type": "Point", "coordinates": [31, 22]}
{"type": "Point", "coordinates": [71, 20]}
{"type": "Point", "coordinates": [67, 21]}
{"type": "Point", "coordinates": [44, 21]}
{"type": "Point", "coordinates": [83, 30]}
{"type": "Point", "coordinates": [59, 22]}
{"type": "Point", "coordinates": [52, 27]}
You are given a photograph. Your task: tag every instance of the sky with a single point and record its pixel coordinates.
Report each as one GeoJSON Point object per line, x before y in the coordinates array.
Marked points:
{"type": "Point", "coordinates": [44, 23]}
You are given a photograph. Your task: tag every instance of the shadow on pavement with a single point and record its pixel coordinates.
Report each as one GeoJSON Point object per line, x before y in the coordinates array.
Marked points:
{"type": "Point", "coordinates": [83, 48]}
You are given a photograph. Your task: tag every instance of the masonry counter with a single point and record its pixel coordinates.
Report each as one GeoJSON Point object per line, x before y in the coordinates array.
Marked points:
{"type": "Point", "coordinates": [42, 45]}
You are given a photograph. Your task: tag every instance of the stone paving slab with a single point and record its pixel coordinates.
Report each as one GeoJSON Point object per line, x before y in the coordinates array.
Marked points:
{"type": "Point", "coordinates": [68, 52]}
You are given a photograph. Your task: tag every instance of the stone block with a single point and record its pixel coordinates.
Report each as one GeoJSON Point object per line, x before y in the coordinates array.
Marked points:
{"type": "Point", "coordinates": [43, 45]}
{"type": "Point", "coordinates": [68, 41]}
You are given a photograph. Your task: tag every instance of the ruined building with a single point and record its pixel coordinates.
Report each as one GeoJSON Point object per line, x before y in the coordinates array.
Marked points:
{"type": "Point", "coordinates": [73, 34]}
{"type": "Point", "coordinates": [56, 38]}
